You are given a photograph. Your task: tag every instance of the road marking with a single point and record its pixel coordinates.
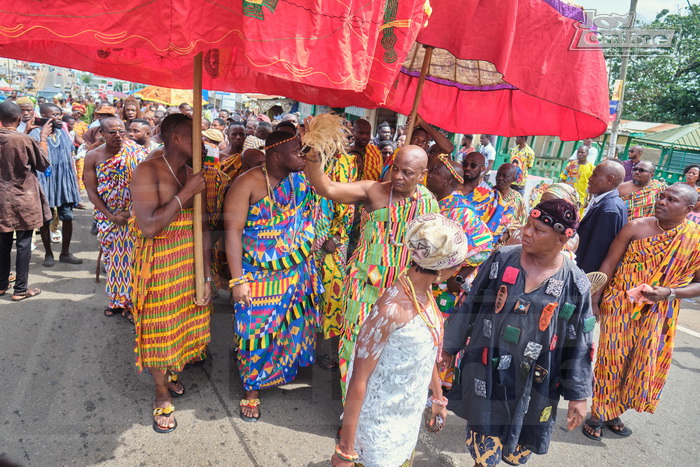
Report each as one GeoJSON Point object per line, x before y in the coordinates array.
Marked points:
{"type": "Point", "coordinates": [688, 331]}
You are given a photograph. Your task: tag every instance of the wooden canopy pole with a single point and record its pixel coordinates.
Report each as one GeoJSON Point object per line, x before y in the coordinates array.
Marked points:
{"type": "Point", "coordinates": [419, 90]}
{"type": "Point", "coordinates": [196, 167]}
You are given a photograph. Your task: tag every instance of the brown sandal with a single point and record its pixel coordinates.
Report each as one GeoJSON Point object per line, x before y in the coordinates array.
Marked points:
{"type": "Point", "coordinates": [18, 297]}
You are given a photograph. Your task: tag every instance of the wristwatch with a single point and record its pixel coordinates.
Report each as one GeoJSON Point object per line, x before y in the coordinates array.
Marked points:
{"type": "Point", "coordinates": [671, 294]}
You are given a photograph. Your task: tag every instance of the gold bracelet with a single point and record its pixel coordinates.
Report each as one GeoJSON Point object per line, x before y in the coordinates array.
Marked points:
{"type": "Point", "coordinates": [245, 278]}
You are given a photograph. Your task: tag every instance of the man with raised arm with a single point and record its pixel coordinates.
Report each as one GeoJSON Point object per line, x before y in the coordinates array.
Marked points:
{"type": "Point", "coordinates": [268, 217]}
{"type": "Point", "coordinates": [172, 329]}
{"type": "Point", "coordinates": [381, 253]}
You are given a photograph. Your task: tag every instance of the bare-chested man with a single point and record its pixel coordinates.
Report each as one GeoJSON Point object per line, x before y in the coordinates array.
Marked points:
{"type": "Point", "coordinates": [171, 328]}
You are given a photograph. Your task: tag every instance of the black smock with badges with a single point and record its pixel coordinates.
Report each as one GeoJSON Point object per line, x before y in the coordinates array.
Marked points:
{"type": "Point", "coordinates": [525, 351]}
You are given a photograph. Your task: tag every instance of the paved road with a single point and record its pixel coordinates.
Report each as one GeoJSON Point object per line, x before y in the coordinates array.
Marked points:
{"type": "Point", "coordinates": [71, 396]}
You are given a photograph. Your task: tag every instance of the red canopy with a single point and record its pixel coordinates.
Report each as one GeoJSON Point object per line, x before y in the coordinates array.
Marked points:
{"type": "Point", "coordinates": [319, 52]}
{"type": "Point", "coordinates": [507, 67]}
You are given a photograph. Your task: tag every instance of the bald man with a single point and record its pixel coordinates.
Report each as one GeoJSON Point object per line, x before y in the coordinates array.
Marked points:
{"type": "Point", "coordinates": [381, 253]}
{"type": "Point", "coordinates": [604, 217]}
{"type": "Point", "coordinates": [640, 193]}
{"type": "Point", "coordinates": [636, 338]}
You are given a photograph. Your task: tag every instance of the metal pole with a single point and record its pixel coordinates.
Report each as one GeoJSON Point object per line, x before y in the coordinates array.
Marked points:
{"type": "Point", "coordinates": [623, 76]}
{"type": "Point", "coordinates": [196, 167]}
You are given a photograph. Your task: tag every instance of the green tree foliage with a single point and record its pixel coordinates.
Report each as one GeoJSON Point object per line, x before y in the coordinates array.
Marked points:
{"type": "Point", "coordinates": [665, 87]}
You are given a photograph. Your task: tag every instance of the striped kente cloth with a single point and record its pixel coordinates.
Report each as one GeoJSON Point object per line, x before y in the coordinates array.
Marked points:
{"type": "Point", "coordinates": [170, 329]}
{"type": "Point", "coordinates": [376, 264]}
{"type": "Point", "coordinates": [636, 340]}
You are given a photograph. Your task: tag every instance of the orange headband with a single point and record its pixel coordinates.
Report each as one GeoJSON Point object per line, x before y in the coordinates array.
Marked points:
{"type": "Point", "coordinates": [281, 142]}
{"type": "Point", "coordinates": [444, 158]}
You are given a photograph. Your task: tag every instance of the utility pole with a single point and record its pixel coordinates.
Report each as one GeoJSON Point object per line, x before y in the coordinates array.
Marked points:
{"type": "Point", "coordinates": [623, 77]}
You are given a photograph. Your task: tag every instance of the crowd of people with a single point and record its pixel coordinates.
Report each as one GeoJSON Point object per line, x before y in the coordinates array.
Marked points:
{"type": "Point", "coordinates": [389, 260]}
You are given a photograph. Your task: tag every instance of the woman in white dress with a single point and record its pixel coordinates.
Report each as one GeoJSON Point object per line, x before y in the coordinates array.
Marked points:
{"type": "Point", "coordinates": [395, 356]}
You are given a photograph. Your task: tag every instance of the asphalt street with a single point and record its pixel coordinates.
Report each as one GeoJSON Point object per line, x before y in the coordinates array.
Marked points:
{"type": "Point", "coordinates": [71, 395]}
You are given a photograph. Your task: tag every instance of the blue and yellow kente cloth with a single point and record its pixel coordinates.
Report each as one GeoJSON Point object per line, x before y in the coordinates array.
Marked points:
{"type": "Point", "coordinates": [491, 207]}
{"type": "Point", "coordinates": [277, 334]}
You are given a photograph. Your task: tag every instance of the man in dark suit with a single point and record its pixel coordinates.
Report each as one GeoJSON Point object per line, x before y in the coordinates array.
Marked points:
{"type": "Point", "coordinates": [604, 216]}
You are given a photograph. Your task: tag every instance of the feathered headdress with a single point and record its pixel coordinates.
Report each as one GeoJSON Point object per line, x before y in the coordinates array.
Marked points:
{"type": "Point", "coordinates": [327, 135]}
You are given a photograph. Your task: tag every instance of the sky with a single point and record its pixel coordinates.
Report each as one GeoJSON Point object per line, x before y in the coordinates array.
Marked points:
{"type": "Point", "coordinates": [646, 9]}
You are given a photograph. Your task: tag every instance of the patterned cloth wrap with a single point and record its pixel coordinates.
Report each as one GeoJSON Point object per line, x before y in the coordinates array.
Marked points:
{"type": "Point", "coordinates": [334, 220]}
{"type": "Point", "coordinates": [116, 241]}
{"type": "Point", "coordinates": [277, 333]}
{"type": "Point", "coordinates": [636, 339]}
{"type": "Point", "coordinates": [376, 264]}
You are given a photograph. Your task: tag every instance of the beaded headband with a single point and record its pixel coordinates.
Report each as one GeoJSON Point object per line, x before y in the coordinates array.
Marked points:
{"type": "Point", "coordinates": [444, 158]}
{"type": "Point", "coordinates": [281, 142]}
{"type": "Point", "coordinates": [553, 223]}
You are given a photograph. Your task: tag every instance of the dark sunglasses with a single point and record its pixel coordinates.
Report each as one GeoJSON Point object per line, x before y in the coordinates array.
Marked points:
{"type": "Point", "coordinates": [640, 170]}
{"type": "Point", "coordinates": [472, 165]}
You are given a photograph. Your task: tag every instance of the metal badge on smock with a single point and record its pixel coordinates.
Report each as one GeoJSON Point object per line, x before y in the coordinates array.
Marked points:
{"type": "Point", "coordinates": [583, 284]}
{"type": "Point", "coordinates": [571, 332]}
{"type": "Point", "coordinates": [554, 287]}
{"type": "Point", "coordinates": [501, 298]}
{"type": "Point", "coordinates": [521, 307]}
{"type": "Point", "coordinates": [533, 350]}
{"type": "Point", "coordinates": [493, 272]}
{"type": "Point", "coordinates": [504, 362]}
{"type": "Point", "coordinates": [480, 387]}
{"type": "Point", "coordinates": [488, 327]}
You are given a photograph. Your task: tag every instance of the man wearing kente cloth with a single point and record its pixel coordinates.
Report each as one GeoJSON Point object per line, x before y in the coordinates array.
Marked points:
{"type": "Point", "coordinates": [369, 158]}
{"type": "Point", "coordinates": [444, 179]}
{"type": "Point", "coordinates": [526, 333]}
{"type": "Point", "coordinates": [172, 329]}
{"type": "Point", "coordinates": [656, 261]}
{"type": "Point", "coordinates": [639, 194]}
{"type": "Point", "coordinates": [230, 158]}
{"type": "Point", "coordinates": [108, 171]}
{"type": "Point", "coordinates": [268, 216]}
{"type": "Point", "coordinates": [486, 201]}
{"type": "Point", "coordinates": [381, 253]}
{"type": "Point", "coordinates": [332, 224]}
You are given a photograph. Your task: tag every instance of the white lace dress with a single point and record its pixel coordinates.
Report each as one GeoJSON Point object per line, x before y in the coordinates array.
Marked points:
{"type": "Point", "coordinates": [387, 430]}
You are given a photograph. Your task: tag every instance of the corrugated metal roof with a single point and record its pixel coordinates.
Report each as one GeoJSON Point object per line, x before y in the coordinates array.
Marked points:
{"type": "Point", "coordinates": [684, 137]}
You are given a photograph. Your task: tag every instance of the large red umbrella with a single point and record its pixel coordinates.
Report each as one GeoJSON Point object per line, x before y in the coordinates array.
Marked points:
{"type": "Point", "coordinates": [505, 67]}
{"type": "Point", "coordinates": [315, 51]}
{"type": "Point", "coordinates": [319, 52]}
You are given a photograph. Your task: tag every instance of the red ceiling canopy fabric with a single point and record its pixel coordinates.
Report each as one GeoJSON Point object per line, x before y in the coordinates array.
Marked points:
{"type": "Point", "coordinates": [316, 51]}
{"type": "Point", "coordinates": [507, 67]}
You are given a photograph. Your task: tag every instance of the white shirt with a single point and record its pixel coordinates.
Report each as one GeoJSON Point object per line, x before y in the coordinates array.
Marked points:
{"type": "Point", "coordinates": [592, 155]}
{"type": "Point", "coordinates": [594, 200]}
{"type": "Point", "coordinates": [489, 152]}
